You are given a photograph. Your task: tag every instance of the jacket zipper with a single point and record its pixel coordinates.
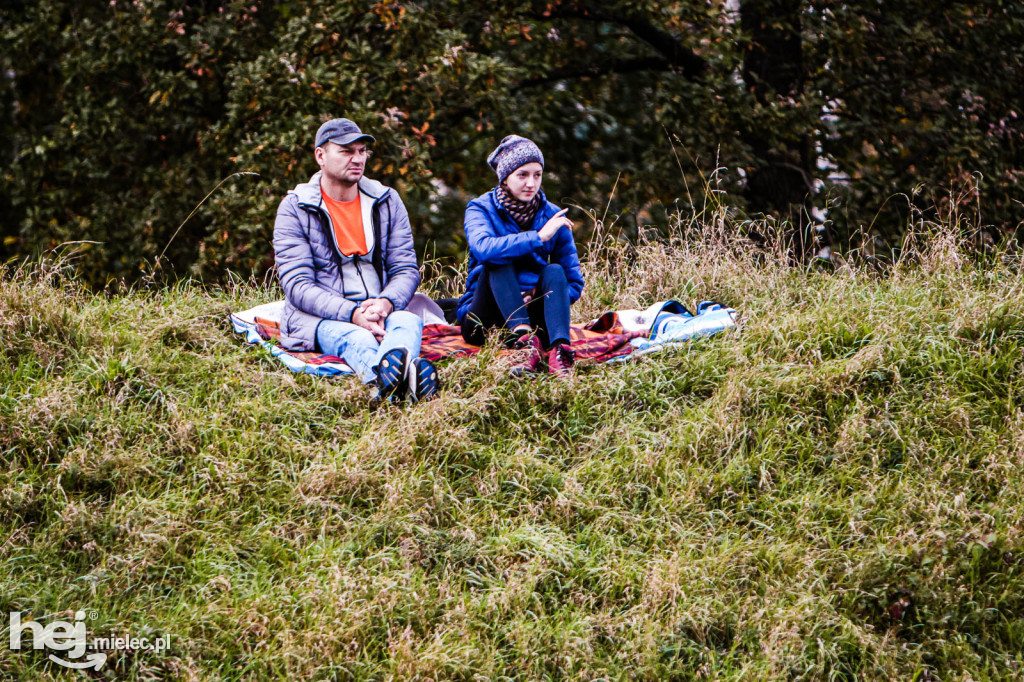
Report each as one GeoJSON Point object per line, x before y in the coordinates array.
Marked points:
{"type": "Point", "coordinates": [328, 226]}
{"type": "Point", "coordinates": [378, 252]}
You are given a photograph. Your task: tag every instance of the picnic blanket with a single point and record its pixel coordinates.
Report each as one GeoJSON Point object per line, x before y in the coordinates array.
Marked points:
{"type": "Point", "coordinates": [614, 336]}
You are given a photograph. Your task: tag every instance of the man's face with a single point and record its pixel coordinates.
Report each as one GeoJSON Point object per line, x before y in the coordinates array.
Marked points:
{"type": "Point", "coordinates": [343, 163]}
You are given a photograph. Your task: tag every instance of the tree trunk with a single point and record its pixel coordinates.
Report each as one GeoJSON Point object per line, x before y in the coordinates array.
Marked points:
{"type": "Point", "coordinates": [781, 183]}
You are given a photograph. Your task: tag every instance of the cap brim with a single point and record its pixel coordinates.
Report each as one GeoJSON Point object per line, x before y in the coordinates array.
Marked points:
{"type": "Point", "coordinates": [350, 138]}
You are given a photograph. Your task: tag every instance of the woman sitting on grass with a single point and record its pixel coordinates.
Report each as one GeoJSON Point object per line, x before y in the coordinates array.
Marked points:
{"type": "Point", "coordinates": [524, 272]}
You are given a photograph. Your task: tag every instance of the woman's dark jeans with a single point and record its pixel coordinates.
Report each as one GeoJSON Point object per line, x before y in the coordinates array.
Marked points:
{"type": "Point", "coordinates": [498, 302]}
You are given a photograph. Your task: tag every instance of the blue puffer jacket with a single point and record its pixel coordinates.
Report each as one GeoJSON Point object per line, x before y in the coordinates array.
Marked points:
{"type": "Point", "coordinates": [495, 239]}
{"type": "Point", "coordinates": [311, 268]}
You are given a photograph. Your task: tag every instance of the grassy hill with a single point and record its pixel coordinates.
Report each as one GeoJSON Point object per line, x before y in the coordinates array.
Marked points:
{"type": "Point", "coordinates": [834, 493]}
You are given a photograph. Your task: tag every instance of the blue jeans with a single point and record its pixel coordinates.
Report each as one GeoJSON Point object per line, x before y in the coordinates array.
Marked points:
{"type": "Point", "coordinates": [498, 303]}
{"type": "Point", "coordinates": [359, 348]}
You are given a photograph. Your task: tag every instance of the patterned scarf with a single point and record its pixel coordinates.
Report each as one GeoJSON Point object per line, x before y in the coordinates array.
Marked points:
{"type": "Point", "coordinates": [523, 212]}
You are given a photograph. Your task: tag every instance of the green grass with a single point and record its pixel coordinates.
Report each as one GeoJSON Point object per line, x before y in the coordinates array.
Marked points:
{"type": "Point", "coordinates": [833, 494]}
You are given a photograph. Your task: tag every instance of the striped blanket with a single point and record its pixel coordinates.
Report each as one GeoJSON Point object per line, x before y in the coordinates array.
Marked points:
{"type": "Point", "coordinates": [613, 336]}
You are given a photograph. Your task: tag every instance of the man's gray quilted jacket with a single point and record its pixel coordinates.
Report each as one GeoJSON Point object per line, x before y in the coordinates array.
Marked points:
{"type": "Point", "coordinates": [319, 282]}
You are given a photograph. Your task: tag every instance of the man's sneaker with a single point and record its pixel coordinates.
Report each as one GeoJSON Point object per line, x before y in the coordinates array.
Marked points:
{"type": "Point", "coordinates": [527, 355]}
{"type": "Point", "coordinates": [422, 380]}
{"type": "Point", "coordinates": [561, 360]}
{"type": "Point", "coordinates": [391, 384]}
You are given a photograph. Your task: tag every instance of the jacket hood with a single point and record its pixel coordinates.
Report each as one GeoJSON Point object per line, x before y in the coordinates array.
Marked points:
{"type": "Point", "coordinates": [309, 192]}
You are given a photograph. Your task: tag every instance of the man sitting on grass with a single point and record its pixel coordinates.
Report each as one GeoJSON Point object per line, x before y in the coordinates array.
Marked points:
{"type": "Point", "coordinates": [345, 258]}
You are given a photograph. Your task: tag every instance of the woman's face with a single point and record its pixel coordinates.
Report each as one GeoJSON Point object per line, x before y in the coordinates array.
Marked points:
{"type": "Point", "coordinates": [524, 182]}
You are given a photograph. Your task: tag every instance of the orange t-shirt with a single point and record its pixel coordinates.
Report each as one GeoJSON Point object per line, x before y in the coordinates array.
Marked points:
{"type": "Point", "coordinates": [347, 218]}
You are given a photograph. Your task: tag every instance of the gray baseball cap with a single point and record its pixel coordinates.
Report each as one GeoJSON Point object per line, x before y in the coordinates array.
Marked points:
{"type": "Point", "coordinates": [340, 131]}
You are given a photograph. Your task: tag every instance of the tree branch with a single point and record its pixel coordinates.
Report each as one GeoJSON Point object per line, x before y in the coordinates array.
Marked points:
{"type": "Point", "coordinates": [594, 70]}
{"type": "Point", "coordinates": [690, 64]}
{"type": "Point", "coordinates": [693, 66]}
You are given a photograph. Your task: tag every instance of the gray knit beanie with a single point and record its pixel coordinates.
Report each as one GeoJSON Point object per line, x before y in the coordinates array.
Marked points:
{"type": "Point", "coordinates": [513, 152]}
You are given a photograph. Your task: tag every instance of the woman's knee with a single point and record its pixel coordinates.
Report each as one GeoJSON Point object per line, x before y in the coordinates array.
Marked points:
{"type": "Point", "coordinates": [491, 268]}
{"type": "Point", "coordinates": [500, 277]}
{"type": "Point", "coordinates": [553, 274]}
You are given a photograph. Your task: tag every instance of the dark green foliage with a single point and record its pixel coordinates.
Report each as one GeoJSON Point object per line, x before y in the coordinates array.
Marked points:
{"type": "Point", "coordinates": [117, 118]}
{"type": "Point", "coordinates": [925, 93]}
